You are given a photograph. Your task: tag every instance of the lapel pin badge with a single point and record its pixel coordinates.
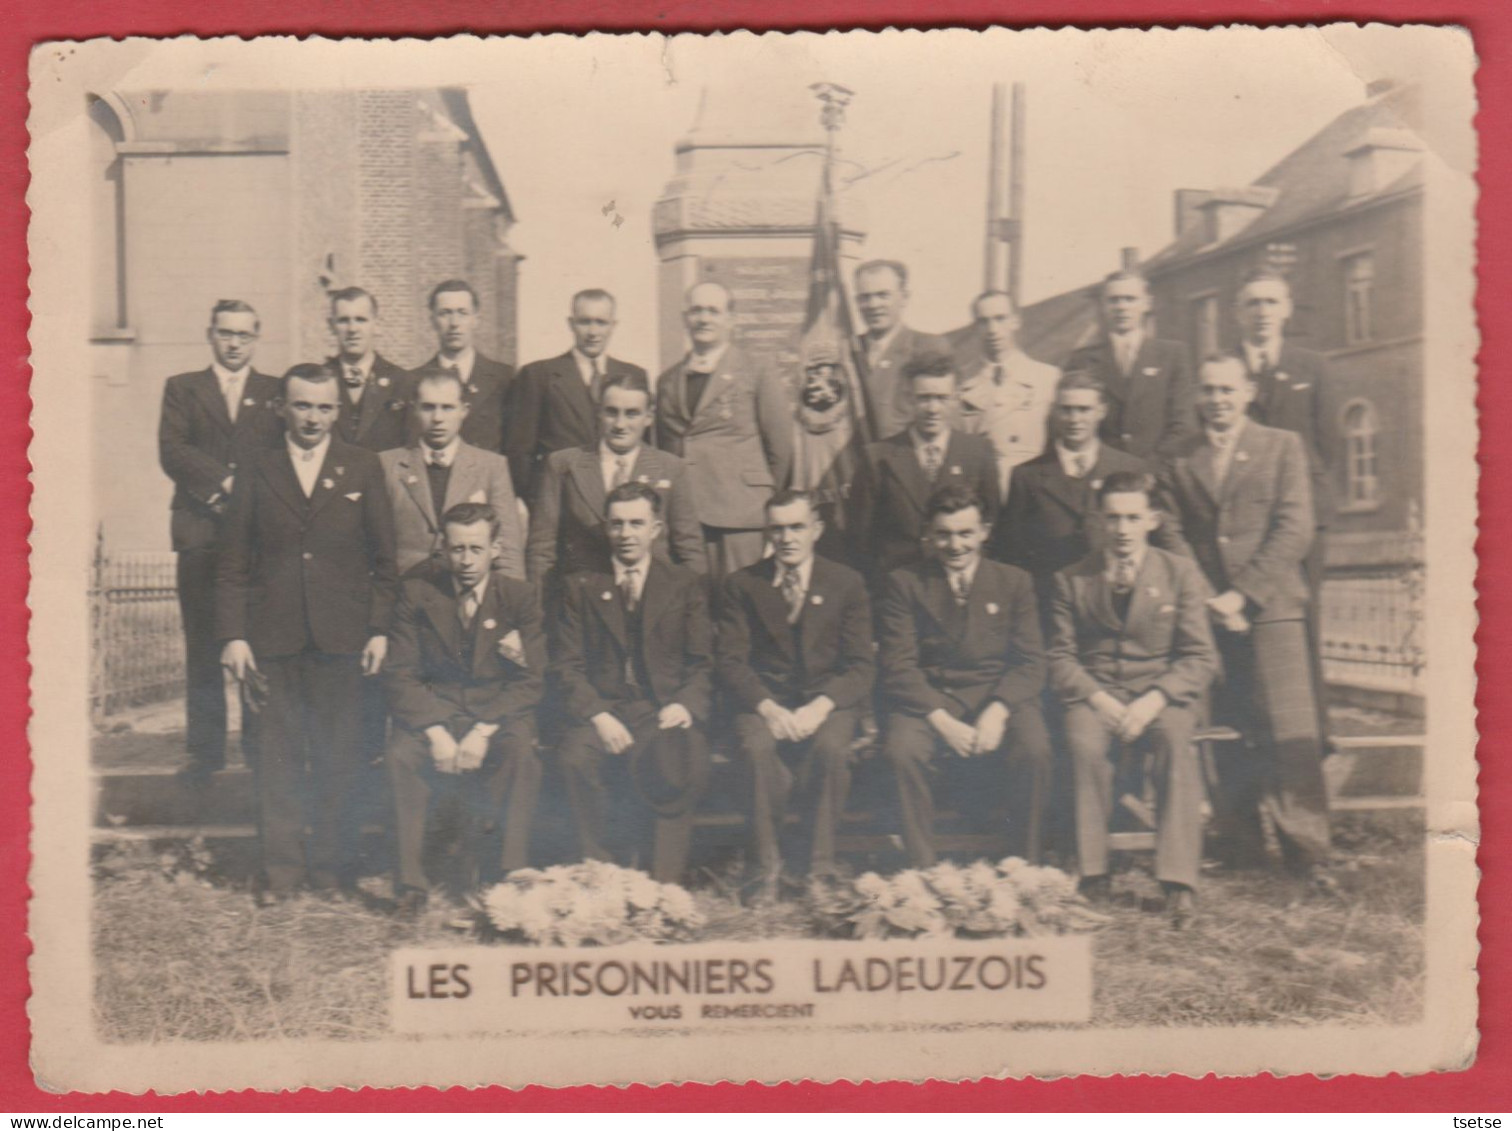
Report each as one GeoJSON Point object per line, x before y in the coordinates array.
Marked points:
{"type": "Point", "coordinates": [992, 608]}
{"type": "Point", "coordinates": [817, 599]}
{"type": "Point", "coordinates": [383, 382]}
{"type": "Point", "coordinates": [664, 484]}
{"type": "Point", "coordinates": [354, 495]}
{"type": "Point", "coordinates": [328, 483]}
{"type": "Point", "coordinates": [1151, 370]}
{"type": "Point", "coordinates": [606, 596]}
{"type": "Point", "coordinates": [411, 480]}
{"type": "Point", "coordinates": [471, 388]}
{"type": "Point", "coordinates": [955, 469]}
{"type": "Point", "coordinates": [643, 479]}
{"type": "Point", "coordinates": [490, 623]}
{"type": "Point", "coordinates": [339, 469]}
{"type": "Point", "coordinates": [249, 401]}
{"type": "Point", "coordinates": [1097, 484]}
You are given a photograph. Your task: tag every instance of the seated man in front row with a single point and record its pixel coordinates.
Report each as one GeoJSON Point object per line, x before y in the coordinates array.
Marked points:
{"type": "Point", "coordinates": [1131, 652]}
{"type": "Point", "coordinates": [634, 657]}
{"type": "Point", "coordinates": [795, 653]}
{"type": "Point", "coordinates": [465, 674]}
{"type": "Point", "coordinates": [963, 667]}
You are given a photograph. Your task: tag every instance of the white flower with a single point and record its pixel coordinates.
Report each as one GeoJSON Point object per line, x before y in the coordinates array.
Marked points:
{"type": "Point", "coordinates": [328, 483]}
{"type": "Point", "coordinates": [664, 484]}
{"type": "Point", "coordinates": [606, 596]}
{"type": "Point", "coordinates": [992, 608]}
{"type": "Point", "coordinates": [383, 382]}
{"type": "Point", "coordinates": [490, 623]}
{"type": "Point", "coordinates": [817, 599]}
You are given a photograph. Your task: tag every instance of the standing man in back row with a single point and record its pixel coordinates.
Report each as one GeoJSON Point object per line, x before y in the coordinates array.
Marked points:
{"type": "Point", "coordinates": [485, 382]}
{"type": "Point", "coordinates": [732, 424]}
{"type": "Point", "coordinates": [887, 348]}
{"type": "Point", "coordinates": [555, 402]}
{"type": "Point", "coordinates": [212, 420]}
{"type": "Point", "coordinates": [374, 401]}
{"type": "Point", "coordinates": [1147, 381]}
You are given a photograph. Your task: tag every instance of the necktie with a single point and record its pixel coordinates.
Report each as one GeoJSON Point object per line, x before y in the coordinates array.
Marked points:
{"type": "Point", "coordinates": [596, 379]}
{"type": "Point", "coordinates": [933, 457]}
{"type": "Point", "coordinates": [999, 375]}
{"type": "Point", "coordinates": [1123, 575]}
{"type": "Point", "coordinates": [959, 586]}
{"type": "Point", "coordinates": [621, 471]}
{"type": "Point", "coordinates": [1079, 464]}
{"type": "Point", "coordinates": [792, 593]}
{"type": "Point", "coordinates": [468, 608]}
{"type": "Point", "coordinates": [230, 391]}
{"type": "Point", "coordinates": [627, 588]}
{"type": "Point", "coordinates": [438, 459]}
{"type": "Point", "coordinates": [353, 377]}
{"type": "Point", "coordinates": [1123, 353]}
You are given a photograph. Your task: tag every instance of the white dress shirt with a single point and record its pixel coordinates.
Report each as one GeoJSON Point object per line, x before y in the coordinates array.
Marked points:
{"type": "Point", "coordinates": [445, 456]}
{"type": "Point", "coordinates": [1068, 458]}
{"type": "Point", "coordinates": [364, 366]}
{"type": "Point", "coordinates": [874, 348]}
{"type": "Point", "coordinates": [940, 442]}
{"type": "Point", "coordinates": [969, 573]}
{"type": "Point", "coordinates": [462, 364]}
{"type": "Point", "coordinates": [231, 386]}
{"type": "Point", "coordinates": [805, 573]}
{"type": "Point", "coordinates": [588, 367]}
{"type": "Point", "coordinates": [640, 568]}
{"type": "Point", "coordinates": [1126, 349]}
{"type": "Point", "coordinates": [1258, 358]}
{"type": "Point", "coordinates": [1223, 445]}
{"type": "Point", "coordinates": [308, 462]}
{"type": "Point", "coordinates": [609, 460]}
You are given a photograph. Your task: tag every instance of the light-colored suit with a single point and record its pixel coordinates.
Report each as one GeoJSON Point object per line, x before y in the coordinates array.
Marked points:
{"type": "Point", "coordinates": [476, 477]}
{"type": "Point", "coordinates": [1163, 641]}
{"type": "Point", "coordinates": [737, 442]}
{"type": "Point", "coordinates": [1014, 413]}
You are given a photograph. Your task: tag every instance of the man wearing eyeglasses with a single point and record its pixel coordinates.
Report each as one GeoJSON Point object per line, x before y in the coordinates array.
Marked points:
{"type": "Point", "coordinates": [211, 419]}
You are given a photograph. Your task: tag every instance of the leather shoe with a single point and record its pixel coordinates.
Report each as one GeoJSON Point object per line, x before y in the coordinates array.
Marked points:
{"type": "Point", "coordinates": [411, 903]}
{"type": "Point", "coordinates": [1181, 906]}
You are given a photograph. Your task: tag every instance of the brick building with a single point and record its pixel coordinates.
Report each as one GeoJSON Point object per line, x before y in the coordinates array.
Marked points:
{"type": "Point", "coordinates": [275, 198]}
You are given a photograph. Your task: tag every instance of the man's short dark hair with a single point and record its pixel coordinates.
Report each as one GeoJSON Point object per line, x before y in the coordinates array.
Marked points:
{"type": "Point", "coordinates": [896, 266]}
{"type": "Point", "coordinates": [932, 365]}
{"type": "Point", "coordinates": [985, 295]}
{"type": "Point", "coordinates": [447, 287]}
{"type": "Point", "coordinates": [631, 492]}
{"type": "Point", "coordinates": [441, 373]}
{"type": "Point", "coordinates": [1123, 275]}
{"type": "Point", "coordinates": [310, 371]}
{"type": "Point", "coordinates": [952, 499]}
{"type": "Point", "coordinates": [1226, 359]}
{"type": "Point", "coordinates": [1081, 379]}
{"type": "Point", "coordinates": [234, 306]}
{"type": "Point", "coordinates": [1128, 483]}
{"type": "Point", "coordinates": [592, 294]}
{"type": "Point", "coordinates": [352, 294]}
{"type": "Point", "coordinates": [790, 495]}
{"type": "Point", "coordinates": [468, 514]}
{"type": "Point", "coordinates": [630, 380]}
{"type": "Point", "coordinates": [1264, 275]}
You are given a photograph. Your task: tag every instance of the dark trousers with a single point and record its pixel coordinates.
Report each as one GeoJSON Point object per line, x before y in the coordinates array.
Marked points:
{"type": "Point", "coordinates": [817, 770]}
{"type": "Point", "coordinates": [1016, 778]}
{"type": "Point", "coordinates": [308, 772]}
{"type": "Point", "coordinates": [637, 806]}
{"type": "Point", "coordinates": [1178, 791]}
{"type": "Point", "coordinates": [488, 808]}
{"type": "Point", "coordinates": [204, 679]}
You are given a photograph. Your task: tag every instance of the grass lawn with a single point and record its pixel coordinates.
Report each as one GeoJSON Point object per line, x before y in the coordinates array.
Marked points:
{"type": "Point", "coordinates": [183, 957]}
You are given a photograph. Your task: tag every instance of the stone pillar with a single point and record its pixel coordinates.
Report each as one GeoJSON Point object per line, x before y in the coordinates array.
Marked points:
{"type": "Point", "coordinates": [739, 210]}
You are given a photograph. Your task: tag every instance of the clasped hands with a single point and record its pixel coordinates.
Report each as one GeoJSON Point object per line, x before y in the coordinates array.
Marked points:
{"type": "Point", "coordinates": [797, 724]}
{"type": "Point", "coordinates": [1227, 610]}
{"type": "Point", "coordinates": [966, 739]}
{"type": "Point", "coordinates": [1127, 720]}
{"type": "Point", "coordinates": [459, 756]}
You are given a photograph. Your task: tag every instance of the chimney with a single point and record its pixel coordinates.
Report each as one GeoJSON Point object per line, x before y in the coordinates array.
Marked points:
{"type": "Point", "coordinates": [1189, 202]}
{"type": "Point", "coordinates": [1128, 259]}
{"type": "Point", "coordinates": [1379, 159]}
{"type": "Point", "coordinates": [1228, 211]}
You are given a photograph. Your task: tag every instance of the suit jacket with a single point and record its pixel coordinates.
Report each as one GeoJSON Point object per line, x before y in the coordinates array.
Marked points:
{"type": "Point", "coordinates": [199, 447]}
{"type": "Point", "coordinates": [1253, 532]}
{"type": "Point", "coordinates": [567, 525]}
{"type": "Point", "coordinates": [737, 441]}
{"type": "Point", "coordinates": [1165, 641]}
{"type": "Point", "coordinates": [550, 408]}
{"type": "Point", "coordinates": [382, 419]}
{"type": "Point", "coordinates": [1152, 408]}
{"type": "Point", "coordinates": [1051, 520]}
{"type": "Point", "coordinates": [593, 642]}
{"type": "Point", "coordinates": [1015, 416]}
{"type": "Point", "coordinates": [317, 573]}
{"type": "Point", "coordinates": [828, 652]}
{"type": "Point", "coordinates": [439, 672]}
{"type": "Point", "coordinates": [884, 384]}
{"type": "Point", "coordinates": [1293, 394]}
{"type": "Point", "coordinates": [488, 394]}
{"type": "Point", "coordinates": [477, 476]}
{"type": "Point", "coordinates": [890, 493]}
{"type": "Point", "coordinates": [936, 654]}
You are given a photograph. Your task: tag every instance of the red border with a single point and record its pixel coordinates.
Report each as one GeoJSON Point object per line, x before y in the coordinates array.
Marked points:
{"type": "Point", "coordinates": [1487, 1087]}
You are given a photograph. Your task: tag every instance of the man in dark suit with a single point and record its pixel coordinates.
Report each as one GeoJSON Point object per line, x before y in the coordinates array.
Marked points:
{"type": "Point", "coordinates": [375, 393]}
{"type": "Point", "coordinates": [304, 597]}
{"type": "Point", "coordinates": [1243, 495]}
{"type": "Point", "coordinates": [634, 659]}
{"type": "Point", "coordinates": [465, 673]}
{"type": "Point", "coordinates": [440, 470]}
{"type": "Point", "coordinates": [900, 473]}
{"type": "Point", "coordinates": [963, 667]}
{"type": "Point", "coordinates": [211, 421]}
{"type": "Point", "coordinates": [567, 532]}
{"type": "Point", "coordinates": [485, 382]}
{"type": "Point", "coordinates": [554, 402]}
{"type": "Point", "coordinates": [794, 651]}
{"type": "Point", "coordinates": [887, 348]}
{"type": "Point", "coordinates": [731, 421]}
{"type": "Point", "coordinates": [1148, 380]}
{"type": "Point", "coordinates": [1131, 654]}
{"type": "Point", "coordinates": [1052, 518]}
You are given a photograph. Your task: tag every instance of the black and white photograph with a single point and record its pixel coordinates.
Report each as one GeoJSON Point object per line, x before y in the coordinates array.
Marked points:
{"type": "Point", "coordinates": [621, 559]}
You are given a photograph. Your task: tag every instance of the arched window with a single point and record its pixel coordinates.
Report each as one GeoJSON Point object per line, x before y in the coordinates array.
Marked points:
{"type": "Point", "coordinates": [1361, 466]}
{"type": "Point", "coordinates": [106, 203]}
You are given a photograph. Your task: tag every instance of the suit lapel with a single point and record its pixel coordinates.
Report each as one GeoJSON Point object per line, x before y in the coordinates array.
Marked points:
{"type": "Point", "coordinates": [463, 480]}
{"type": "Point", "coordinates": [278, 470]}
{"type": "Point", "coordinates": [440, 605]}
{"type": "Point", "coordinates": [589, 479]}
{"type": "Point", "coordinates": [1070, 493]}
{"type": "Point", "coordinates": [1098, 593]}
{"type": "Point", "coordinates": [940, 601]}
{"type": "Point", "coordinates": [489, 612]}
{"type": "Point", "coordinates": [1148, 588]}
{"type": "Point", "coordinates": [208, 388]}
{"type": "Point", "coordinates": [412, 474]}
{"type": "Point", "coordinates": [722, 378]}
{"type": "Point", "coordinates": [904, 465]}
{"type": "Point", "coordinates": [656, 594]}
{"type": "Point", "coordinates": [1246, 454]}
{"type": "Point", "coordinates": [328, 484]}
{"type": "Point", "coordinates": [772, 607]}
{"type": "Point", "coordinates": [604, 596]}
{"type": "Point", "coordinates": [572, 390]}
{"type": "Point", "coordinates": [817, 604]}
{"type": "Point", "coordinates": [1203, 470]}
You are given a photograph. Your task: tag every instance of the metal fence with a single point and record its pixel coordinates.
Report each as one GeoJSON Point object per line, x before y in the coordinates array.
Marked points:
{"type": "Point", "coordinates": [137, 642]}
{"type": "Point", "coordinates": [1372, 616]}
